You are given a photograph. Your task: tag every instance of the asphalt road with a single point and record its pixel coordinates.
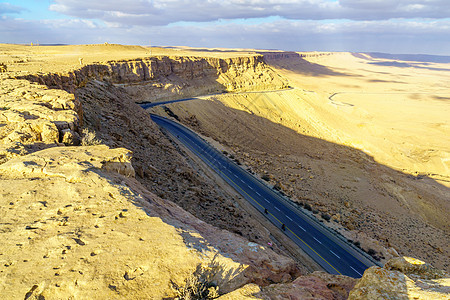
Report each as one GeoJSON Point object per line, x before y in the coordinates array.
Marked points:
{"type": "Point", "coordinates": [152, 104]}
{"type": "Point", "coordinates": [329, 251]}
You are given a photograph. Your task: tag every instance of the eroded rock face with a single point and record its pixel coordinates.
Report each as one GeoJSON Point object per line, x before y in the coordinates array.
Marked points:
{"type": "Point", "coordinates": [72, 227]}
{"type": "Point", "coordinates": [163, 77]}
{"type": "Point", "coordinates": [318, 285]}
{"type": "Point", "coordinates": [403, 278]}
{"type": "Point", "coordinates": [118, 122]}
{"type": "Point", "coordinates": [33, 117]}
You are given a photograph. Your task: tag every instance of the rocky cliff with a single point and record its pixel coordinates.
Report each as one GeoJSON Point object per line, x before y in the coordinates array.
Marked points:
{"type": "Point", "coordinates": [76, 223]}
{"type": "Point", "coordinates": [164, 77]}
{"type": "Point", "coordinates": [79, 222]}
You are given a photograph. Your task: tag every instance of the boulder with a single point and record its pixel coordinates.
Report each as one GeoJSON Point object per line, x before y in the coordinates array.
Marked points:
{"type": "Point", "coordinates": [402, 278]}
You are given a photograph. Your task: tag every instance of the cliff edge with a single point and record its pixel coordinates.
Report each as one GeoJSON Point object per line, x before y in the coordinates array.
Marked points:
{"type": "Point", "coordinates": [78, 220]}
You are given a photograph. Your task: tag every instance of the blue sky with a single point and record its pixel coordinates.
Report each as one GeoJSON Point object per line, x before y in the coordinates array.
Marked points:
{"type": "Point", "coordinates": [401, 26]}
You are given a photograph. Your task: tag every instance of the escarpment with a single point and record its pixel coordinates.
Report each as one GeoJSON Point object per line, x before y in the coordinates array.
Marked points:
{"type": "Point", "coordinates": [163, 77]}
{"type": "Point", "coordinates": [97, 203]}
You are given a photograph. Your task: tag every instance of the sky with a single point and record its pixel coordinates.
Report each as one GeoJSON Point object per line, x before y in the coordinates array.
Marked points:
{"type": "Point", "coordinates": [390, 26]}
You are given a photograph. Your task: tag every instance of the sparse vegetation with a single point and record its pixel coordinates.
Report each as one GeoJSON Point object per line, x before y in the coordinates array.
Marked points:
{"type": "Point", "coordinates": [265, 177]}
{"type": "Point", "coordinates": [200, 285]}
{"type": "Point", "coordinates": [88, 138]}
{"type": "Point", "coordinates": [170, 113]}
{"type": "Point", "coordinates": [371, 252]}
{"type": "Point", "coordinates": [308, 207]}
{"type": "Point", "coordinates": [4, 108]}
{"type": "Point", "coordinates": [326, 217]}
{"type": "Point", "coordinates": [277, 186]}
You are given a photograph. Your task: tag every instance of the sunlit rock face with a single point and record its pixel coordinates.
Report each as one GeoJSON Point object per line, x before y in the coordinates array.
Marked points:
{"type": "Point", "coordinates": [403, 278]}
{"type": "Point", "coordinates": [172, 77]}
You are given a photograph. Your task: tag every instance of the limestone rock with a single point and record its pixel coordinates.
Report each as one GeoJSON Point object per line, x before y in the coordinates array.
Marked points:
{"type": "Point", "coordinates": [402, 278]}
{"type": "Point", "coordinates": [36, 116]}
{"type": "Point", "coordinates": [248, 291]}
{"type": "Point", "coordinates": [318, 285]}
{"type": "Point", "coordinates": [166, 77]}
{"type": "Point", "coordinates": [86, 231]}
{"type": "Point", "coordinates": [70, 138]}
{"type": "Point", "coordinates": [415, 267]}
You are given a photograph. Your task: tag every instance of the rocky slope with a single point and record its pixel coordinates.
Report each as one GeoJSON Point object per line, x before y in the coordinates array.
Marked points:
{"type": "Point", "coordinates": [80, 222]}
{"type": "Point", "coordinates": [118, 122]}
{"type": "Point", "coordinates": [75, 222]}
{"type": "Point", "coordinates": [34, 117]}
{"type": "Point", "coordinates": [379, 207]}
{"type": "Point", "coordinates": [366, 164]}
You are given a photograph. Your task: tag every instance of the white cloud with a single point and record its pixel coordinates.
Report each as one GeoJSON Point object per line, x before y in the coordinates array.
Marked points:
{"type": "Point", "coordinates": [300, 24]}
{"type": "Point", "coordinates": [162, 12]}
{"type": "Point", "coordinates": [382, 36]}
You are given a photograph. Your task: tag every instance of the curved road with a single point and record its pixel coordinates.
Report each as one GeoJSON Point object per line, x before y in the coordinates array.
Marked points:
{"type": "Point", "coordinates": [330, 252]}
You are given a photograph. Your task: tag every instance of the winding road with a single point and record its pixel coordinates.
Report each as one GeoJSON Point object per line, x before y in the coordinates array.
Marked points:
{"type": "Point", "coordinates": [324, 246]}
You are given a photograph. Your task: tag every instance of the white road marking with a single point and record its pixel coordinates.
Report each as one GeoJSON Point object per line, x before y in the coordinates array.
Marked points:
{"type": "Point", "coordinates": [250, 188]}
{"type": "Point", "coordinates": [356, 271]}
{"type": "Point", "coordinates": [289, 218]}
{"type": "Point", "coordinates": [277, 208]}
{"type": "Point", "coordinates": [317, 240]}
{"type": "Point", "coordinates": [301, 228]}
{"type": "Point", "coordinates": [266, 200]}
{"type": "Point", "coordinates": [335, 254]}
{"type": "Point", "coordinates": [258, 193]}
{"type": "Point", "coordinates": [242, 180]}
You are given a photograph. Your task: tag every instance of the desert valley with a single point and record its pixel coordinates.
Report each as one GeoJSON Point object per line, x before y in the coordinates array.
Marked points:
{"type": "Point", "coordinates": [99, 202]}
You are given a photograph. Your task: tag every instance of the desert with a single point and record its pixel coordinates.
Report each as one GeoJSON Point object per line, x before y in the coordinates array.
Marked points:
{"type": "Point", "coordinates": [99, 202]}
{"type": "Point", "coordinates": [367, 162]}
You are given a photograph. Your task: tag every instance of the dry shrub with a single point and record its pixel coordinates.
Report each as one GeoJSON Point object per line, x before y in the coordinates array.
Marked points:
{"type": "Point", "coordinates": [200, 285]}
{"type": "Point", "coordinates": [88, 138]}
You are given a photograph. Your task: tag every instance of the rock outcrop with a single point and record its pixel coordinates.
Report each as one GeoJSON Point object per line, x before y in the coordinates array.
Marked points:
{"type": "Point", "coordinates": [403, 278]}
{"type": "Point", "coordinates": [164, 77]}
{"type": "Point", "coordinates": [72, 226]}
{"type": "Point", "coordinates": [33, 117]}
{"type": "Point", "coordinates": [318, 285]}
